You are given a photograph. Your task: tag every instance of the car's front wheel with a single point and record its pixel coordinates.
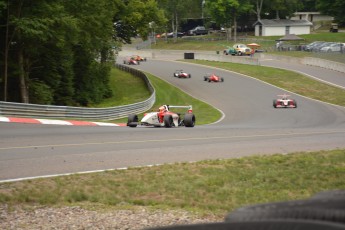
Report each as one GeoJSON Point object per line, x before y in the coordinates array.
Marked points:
{"type": "Point", "coordinates": [168, 121]}
{"type": "Point", "coordinates": [132, 120]}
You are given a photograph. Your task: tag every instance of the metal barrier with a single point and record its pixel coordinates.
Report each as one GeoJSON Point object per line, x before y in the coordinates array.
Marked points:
{"type": "Point", "coordinates": [68, 112]}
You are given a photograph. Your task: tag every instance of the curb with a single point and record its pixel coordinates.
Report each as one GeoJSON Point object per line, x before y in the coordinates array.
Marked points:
{"type": "Point", "coordinates": [56, 122]}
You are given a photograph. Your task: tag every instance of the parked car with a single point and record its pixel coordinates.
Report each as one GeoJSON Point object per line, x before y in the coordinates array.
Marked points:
{"type": "Point", "coordinates": [242, 49]}
{"type": "Point", "coordinates": [318, 47]}
{"type": "Point", "coordinates": [230, 50]}
{"type": "Point", "coordinates": [335, 47]}
{"type": "Point", "coordinates": [171, 34]}
{"type": "Point", "coordinates": [310, 46]}
{"type": "Point", "coordinates": [199, 30]}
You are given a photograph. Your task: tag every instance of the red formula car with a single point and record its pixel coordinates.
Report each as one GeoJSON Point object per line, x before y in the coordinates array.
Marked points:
{"type": "Point", "coordinates": [138, 58]}
{"type": "Point", "coordinates": [213, 78]}
{"type": "Point", "coordinates": [182, 74]}
{"type": "Point", "coordinates": [284, 102]}
{"type": "Point", "coordinates": [130, 61]}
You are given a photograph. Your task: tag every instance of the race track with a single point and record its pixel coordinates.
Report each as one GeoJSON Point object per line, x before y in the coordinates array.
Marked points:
{"type": "Point", "coordinates": [250, 126]}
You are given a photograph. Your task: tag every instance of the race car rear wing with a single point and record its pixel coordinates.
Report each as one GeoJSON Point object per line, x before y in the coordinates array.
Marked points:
{"type": "Point", "coordinates": [189, 107]}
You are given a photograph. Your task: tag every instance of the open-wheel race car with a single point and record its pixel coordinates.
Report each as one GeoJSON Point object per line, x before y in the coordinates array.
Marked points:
{"type": "Point", "coordinates": [130, 61]}
{"type": "Point", "coordinates": [164, 118]}
{"type": "Point", "coordinates": [284, 102]}
{"type": "Point", "coordinates": [182, 74]}
{"type": "Point", "coordinates": [138, 58]}
{"type": "Point", "coordinates": [213, 78]}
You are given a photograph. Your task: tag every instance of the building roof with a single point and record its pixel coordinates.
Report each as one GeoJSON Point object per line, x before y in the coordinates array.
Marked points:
{"type": "Point", "coordinates": [290, 37]}
{"type": "Point", "coordinates": [282, 22]}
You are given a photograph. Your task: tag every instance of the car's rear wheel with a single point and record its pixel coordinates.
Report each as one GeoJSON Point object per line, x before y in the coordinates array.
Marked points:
{"type": "Point", "coordinates": [222, 79]}
{"type": "Point", "coordinates": [239, 53]}
{"type": "Point", "coordinates": [189, 120]}
{"type": "Point", "coordinates": [205, 78]}
{"type": "Point", "coordinates": [132, 120]}
{"type": "Point", "coordinates": [168, 121]}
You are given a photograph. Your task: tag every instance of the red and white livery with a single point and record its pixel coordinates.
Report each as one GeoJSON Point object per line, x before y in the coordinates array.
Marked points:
{"type": "Point", "coordinates": [182, 74]}
{"type": "Point", "coordinates": [284, 102]}
{"type": "Point", "coordinates": [131, 61]}
{"type": "Point", "coordinates": [164, 118]}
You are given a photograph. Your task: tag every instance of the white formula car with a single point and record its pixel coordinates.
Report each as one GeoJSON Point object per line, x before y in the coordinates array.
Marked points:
{"type": "Point", "coordinates": [284, 102]}
{"type": "Point", "coordinates": [164, 118]}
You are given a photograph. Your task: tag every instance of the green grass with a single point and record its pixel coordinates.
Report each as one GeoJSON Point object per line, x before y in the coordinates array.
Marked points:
{"type": "Point", "coordinates": [285, 79]}
{"type": "Point", "coordinates": [211, 186]}
{"type": "Point", "coordinates": [127, 89]}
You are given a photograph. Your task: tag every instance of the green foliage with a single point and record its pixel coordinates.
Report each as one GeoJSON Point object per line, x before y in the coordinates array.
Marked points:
{"type": "Point", "coordinates": [57, 42]}
{"type": "Point", "coordinates": [40, 93]}
{"type": "Point", "coordinates": [334, 8]}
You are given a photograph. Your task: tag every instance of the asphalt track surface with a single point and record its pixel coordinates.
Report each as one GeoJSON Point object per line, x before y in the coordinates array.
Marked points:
{"type": "Point", "coordinates": [250, 126]}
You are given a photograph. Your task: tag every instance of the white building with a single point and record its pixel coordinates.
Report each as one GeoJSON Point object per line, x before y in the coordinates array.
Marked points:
{"type": "Point", "coordinates": [281, 27]}
{"type": "Point", "coordinates": [311, 16]}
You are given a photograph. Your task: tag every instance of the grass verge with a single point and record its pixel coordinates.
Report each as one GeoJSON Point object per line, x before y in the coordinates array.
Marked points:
{"type": "Point", "coordinates": [285, 79]}
{"type": "Point", "coordinates": [212, 186]}
{"type": "Point", "coordinates": [126, 88]}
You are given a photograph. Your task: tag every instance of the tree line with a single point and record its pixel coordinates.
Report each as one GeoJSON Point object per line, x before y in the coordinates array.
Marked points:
{"type": "Point", "coordinates": [60, 51]}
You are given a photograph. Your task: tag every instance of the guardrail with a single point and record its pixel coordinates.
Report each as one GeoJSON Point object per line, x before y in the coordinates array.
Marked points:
{"type": "Point", "coordinates": [68, 112]}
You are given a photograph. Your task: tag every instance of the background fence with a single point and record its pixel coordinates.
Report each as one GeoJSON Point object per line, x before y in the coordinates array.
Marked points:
{"type": "Point", "coordinates": [68, 112]}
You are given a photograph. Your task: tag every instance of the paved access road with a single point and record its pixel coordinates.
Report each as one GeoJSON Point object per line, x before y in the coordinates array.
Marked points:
{"type": "Point", "coordinates": [250, 126]}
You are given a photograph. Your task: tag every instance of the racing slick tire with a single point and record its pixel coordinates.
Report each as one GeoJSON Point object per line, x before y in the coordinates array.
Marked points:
{"type": "Point", "coordinates": [189, 120]}
{"type": "Point", "coordinates": [275, 103]}
{"type": "Point", "coordinates": [189, 75]}
{"type": "Point", "coordinates": [132, 120]}
{"type": "Point", "coordinates": [168, 121]}
{"type": "Point", "coordinates": [321, 208]}
{"type": "Point", "coordinates": [295, 103]}
{"type": "Point", "coordinates": [205, 78]}
{"type": "Point", "coordinates": [222, 79]}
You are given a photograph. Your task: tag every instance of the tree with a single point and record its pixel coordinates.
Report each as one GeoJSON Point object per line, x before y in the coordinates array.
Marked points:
{"type": "Point", "coordinates": [283, 8]}
{"type": "Point", "coordinates": [176, 10]}
{"type": "Point", "coordinates": [258, 8]}
{"type": "Point", "coordinates": [335, 8]}
{"type": "Point", "coordinates": [225, 11]}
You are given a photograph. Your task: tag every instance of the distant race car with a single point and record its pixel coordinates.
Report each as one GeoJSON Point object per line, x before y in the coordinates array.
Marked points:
{"type": "Point", "coordinates": [182, 74]}
{"type": "Point", "coordinates": [164, 118]}
{"type": "Point", "coordinates": [213, 78]}
{"type": "Point", "coordinates": [138, 58]}
{"type": "Point", "coordinates": [284, 102]}
{"type": "Point", "coordinates": [130, 61]}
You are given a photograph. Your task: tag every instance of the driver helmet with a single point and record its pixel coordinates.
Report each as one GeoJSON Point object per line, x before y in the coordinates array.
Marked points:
{"type": "Point", "coordinates": [163, 108]}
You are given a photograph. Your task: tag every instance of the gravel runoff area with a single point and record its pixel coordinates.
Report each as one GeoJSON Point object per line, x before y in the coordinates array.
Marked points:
{"type": "Point", "coordinates": [78, 218]}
